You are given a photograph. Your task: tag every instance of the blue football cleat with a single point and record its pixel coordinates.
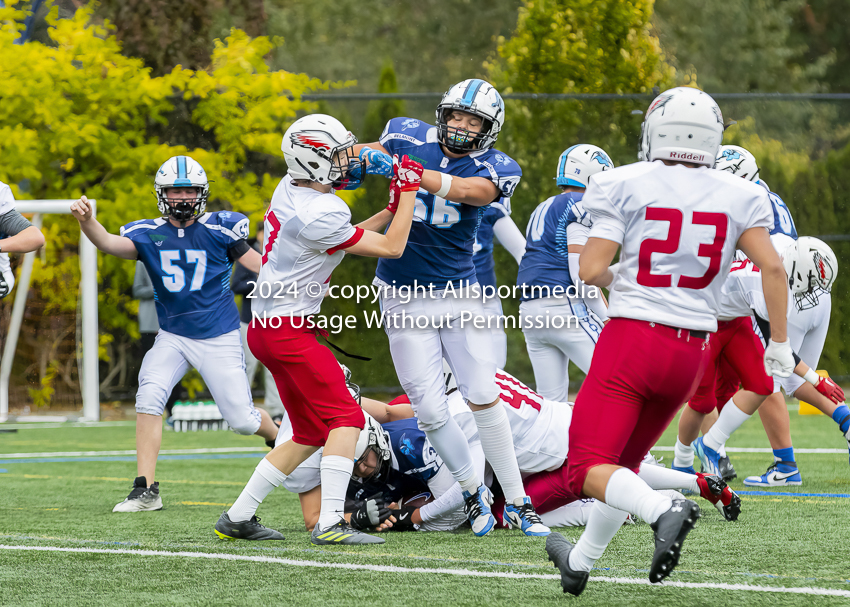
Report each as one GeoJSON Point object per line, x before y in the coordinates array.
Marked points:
{"type": "Point", "coordinates": [521, 515]}
{"type": "Point", "coordinates": [779, 474]}
{"type": "Point", "coordinates": [709, 458]}
{"type": "Point", "coordinates": [477, 509]}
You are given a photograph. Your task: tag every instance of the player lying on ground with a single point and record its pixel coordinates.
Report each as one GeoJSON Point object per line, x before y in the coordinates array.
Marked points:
{"type": "Point", "coordinates": [679, 223]}
{"type": "Point", "coordinates": [188, 254]}
{"type": "Point", "coordinates": [555, 237]}
{"type": "Point", "coordinates": [538, 426]}
{"type": "Point", "coordinates": [308, 232]}
{"type": "Point", "coordinates": [17, 235]}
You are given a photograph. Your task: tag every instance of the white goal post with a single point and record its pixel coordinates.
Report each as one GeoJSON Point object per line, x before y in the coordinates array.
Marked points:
{"type": "Point", "coordinates": [89, 379]}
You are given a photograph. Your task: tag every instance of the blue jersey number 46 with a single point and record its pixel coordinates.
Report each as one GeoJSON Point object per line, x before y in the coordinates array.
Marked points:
{"type": "Point", "coordinates": [175, 279]}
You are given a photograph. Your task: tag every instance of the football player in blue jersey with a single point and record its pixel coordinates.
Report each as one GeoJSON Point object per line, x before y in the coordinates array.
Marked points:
{"type": "Point", "coordinates": [189, 255]}
{"type": "Point", "coordinates": [463, 174]}
{"type": "Point", "coordinates": [496, 224]}
{"type": "Point", "coordinates": [548, 276]}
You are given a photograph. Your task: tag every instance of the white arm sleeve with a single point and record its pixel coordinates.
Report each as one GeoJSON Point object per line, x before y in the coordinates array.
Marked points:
{"type": "Point", "coordinates": [510, 237]}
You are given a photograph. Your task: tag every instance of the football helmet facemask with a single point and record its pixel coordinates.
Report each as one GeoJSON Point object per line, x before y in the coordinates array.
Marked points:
{"type": "Point", "coordinates": [476, 97]}
{"type": "Point", "coordinates": [319, 148]}
{"type": "Point", "coordinates": [181, 172]}
{"type": "Point", "coordinates": [811, 267]}
{"type": "Point", "coordinates": [372, 439]}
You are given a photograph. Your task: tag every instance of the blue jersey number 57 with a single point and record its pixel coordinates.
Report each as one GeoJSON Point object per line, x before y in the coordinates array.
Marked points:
{"type": "Point", "coordinates": [175, 281]}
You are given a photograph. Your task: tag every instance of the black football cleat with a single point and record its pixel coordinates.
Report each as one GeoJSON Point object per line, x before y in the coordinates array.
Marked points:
{"type": "Point", "coordinates": [671, 529]}
{"type": "Point", "coordinates": [558, 549]}
{"type": "Point", "coordinates": [244, 530]}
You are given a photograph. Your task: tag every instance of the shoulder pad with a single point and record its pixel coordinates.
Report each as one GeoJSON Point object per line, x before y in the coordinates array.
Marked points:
{"type": "Point", "coordinates": [140, 226]}
{"type": "Point", "coordinates": [230, 223]}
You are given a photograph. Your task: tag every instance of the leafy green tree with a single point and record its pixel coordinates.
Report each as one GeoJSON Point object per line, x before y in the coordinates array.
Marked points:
{"type": "Point", "coordinates": [78, 117]}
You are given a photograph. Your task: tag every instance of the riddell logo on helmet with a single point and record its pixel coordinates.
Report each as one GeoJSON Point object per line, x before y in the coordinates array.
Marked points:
{"type": "Point", "coordinates": [687, 156]}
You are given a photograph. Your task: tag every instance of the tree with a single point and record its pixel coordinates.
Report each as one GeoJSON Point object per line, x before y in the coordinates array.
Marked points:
{"type": "Point", "coordinates": [77, 116]}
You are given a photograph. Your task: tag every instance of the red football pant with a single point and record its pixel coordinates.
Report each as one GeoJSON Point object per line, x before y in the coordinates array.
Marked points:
{"type": "Point", "coordinates": [737, 343]}
{"type": "Point", "coordinates": [641, 375]}
{"type": "Point", "coordinates": [309, 379]}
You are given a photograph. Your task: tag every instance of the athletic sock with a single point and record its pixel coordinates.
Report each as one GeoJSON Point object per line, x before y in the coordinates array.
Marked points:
{"type": "Point", "coordinates": [731, 418]}
{"type": "Point", "coordinates": [265, 478]}
{"type": "Point", "coordinates": [785, 455]}
{"type": "Point", "coordinates": [452, 446]}
{"type": "Point", "coordinates": [662, 478]}
{"type": "Point", "coordinates": [683, 455]}
{"type": "Point", "coordinates": [722, 450]}
{"type": "Point", "coordinates": [602, 524]}
{"type": "Point", "coordinates": [626, 491]}
{"type": "Point", "coordinates": [335, 474]}
{"type": "Point", "coordinates": [841, 415]}
{"type": "Point", "coordinates": [497, 442]}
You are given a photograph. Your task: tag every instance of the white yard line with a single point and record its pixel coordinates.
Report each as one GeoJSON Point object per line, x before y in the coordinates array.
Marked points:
{"type": "Point", "coordinates": [255, 449]}
{"type": "Point", "coordinates": [764, 450]}
{"type": "Point", "coordinates": [430, 571]}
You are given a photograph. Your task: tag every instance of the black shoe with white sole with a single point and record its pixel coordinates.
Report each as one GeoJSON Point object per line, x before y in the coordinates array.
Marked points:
{"type": "Point", "coordinates": [558, 549]}
{"type": "Point", "coordinates": [671, 529]}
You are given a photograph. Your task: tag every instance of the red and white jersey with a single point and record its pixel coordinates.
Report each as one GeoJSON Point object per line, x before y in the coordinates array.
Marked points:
{"type": "Point", "coordinates": [305, 232]}
{"type": "Point", "coordinates": [678, 228]}
{"type": "Point", "coordinates": [540, 427]}
{"type": "Point", "coordinates": [743, 292]}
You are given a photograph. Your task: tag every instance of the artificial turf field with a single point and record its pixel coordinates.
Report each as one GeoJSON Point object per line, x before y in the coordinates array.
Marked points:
{"type": "Point", "coordinates": [59, 507]}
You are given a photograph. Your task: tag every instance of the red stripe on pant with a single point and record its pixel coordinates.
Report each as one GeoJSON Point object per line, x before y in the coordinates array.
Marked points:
{"type": "Point", "coordinates": [308, 377]}
{"type": "Point", "coordinates": [641, 375]}
{"type": "Point", "coordinates": [737, 344]}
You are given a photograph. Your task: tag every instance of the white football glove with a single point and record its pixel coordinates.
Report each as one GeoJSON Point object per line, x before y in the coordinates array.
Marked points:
{"type": "Point", "coordinates": [7, 281]}
{"type": "Point", "coordinates": [779, 359]}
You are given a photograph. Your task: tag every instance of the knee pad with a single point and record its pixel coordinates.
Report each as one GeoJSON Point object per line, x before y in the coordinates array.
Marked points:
{"type": "Point", "coordinates": [246, 425]}
{"type": "Point", "coordinates": [432, 418]}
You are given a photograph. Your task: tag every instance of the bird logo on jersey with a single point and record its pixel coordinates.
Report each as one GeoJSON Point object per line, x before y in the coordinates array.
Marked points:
{"type": "Point", "coordinates": [410, 123]}
{"type": "Point", "coordinates": [406, 446]}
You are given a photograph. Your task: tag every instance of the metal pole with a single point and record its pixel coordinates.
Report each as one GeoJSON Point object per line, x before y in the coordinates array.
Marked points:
{"type": "Point", "coordinates": [17, 319]}
{"type": "Point", "coordinates": [89, 379]}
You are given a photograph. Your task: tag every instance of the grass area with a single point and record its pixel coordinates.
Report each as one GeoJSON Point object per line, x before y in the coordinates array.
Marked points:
{"type": "Point", "coordinates": [788, 542]}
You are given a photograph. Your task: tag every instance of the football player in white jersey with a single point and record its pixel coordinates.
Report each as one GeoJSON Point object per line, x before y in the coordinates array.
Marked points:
{"type": "Point", "coordinates": [308, 231]}
{"type": "Point", "coordinates": [555, 237]}
{"type": "Point", "coordinates": [17, 235]}
{"type": "Point", "coordinates": [429, 287]}
{"type": "Point", "coordinates": [189, 255]}
{"type": "Point", "coordinates": [679, 223]}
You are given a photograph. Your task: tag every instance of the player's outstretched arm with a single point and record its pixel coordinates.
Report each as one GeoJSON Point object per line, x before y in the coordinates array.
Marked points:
{"type": "Point", "coordinates": [595, 262]}
{"type": "Point", "coordinates": [120, 246]}
{"type": "Point", "coordinates": [251, 260]}
{"type": "Point", "coordinates": [377, 222]}
{"type": "Point", "coordinates": [23, 236]}
{"type": "Point", "coordinates": [474, 191]}
{"type": "Point", "coordinates": [392, 244]}
{"type": "Point", "coordinates": [384, 413]}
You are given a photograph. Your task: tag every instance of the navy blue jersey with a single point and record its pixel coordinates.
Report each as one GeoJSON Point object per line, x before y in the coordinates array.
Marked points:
{"type": "Point", "coordinates": [190, 271]}
{"type": "Point", "coordinates": [485, 267]}
{"type": "Point", "coordinates": [782, 222]}
{"type": "Point", "coordinates": [546, 259]}
{"type": "Point", "coordinates": [439, 248]}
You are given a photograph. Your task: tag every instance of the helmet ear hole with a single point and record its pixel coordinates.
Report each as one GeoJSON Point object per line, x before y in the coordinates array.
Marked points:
{"type": "Point", "coordinates": [313, 165]}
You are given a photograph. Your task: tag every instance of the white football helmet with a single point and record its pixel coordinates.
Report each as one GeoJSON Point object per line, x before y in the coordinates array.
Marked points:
{"type": "Point", "coordinates": [319, 148]}
{"type": "Point", "coordinates": [738, 161]}
{"type": "Point", "coordinates": [682, 124]}
{"type": "Point", "coordinates": [373, 438]}
{"type": "Point", "coordinates": [477, 97]}
{"type": "Point", "coordinates": [181, 172]}
{"type": "Point", "coordinates": [811, 267]}
{"type": "Point", "coordinates": [578, 163]}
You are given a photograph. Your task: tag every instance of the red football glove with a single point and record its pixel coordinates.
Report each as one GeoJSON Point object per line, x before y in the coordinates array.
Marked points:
{"type": "Point", "coordinates": [395, 196]}
{"type": "Point", "coordinates": [831, 390]}
{"type": "Point", "coordinates": [408, 173]}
